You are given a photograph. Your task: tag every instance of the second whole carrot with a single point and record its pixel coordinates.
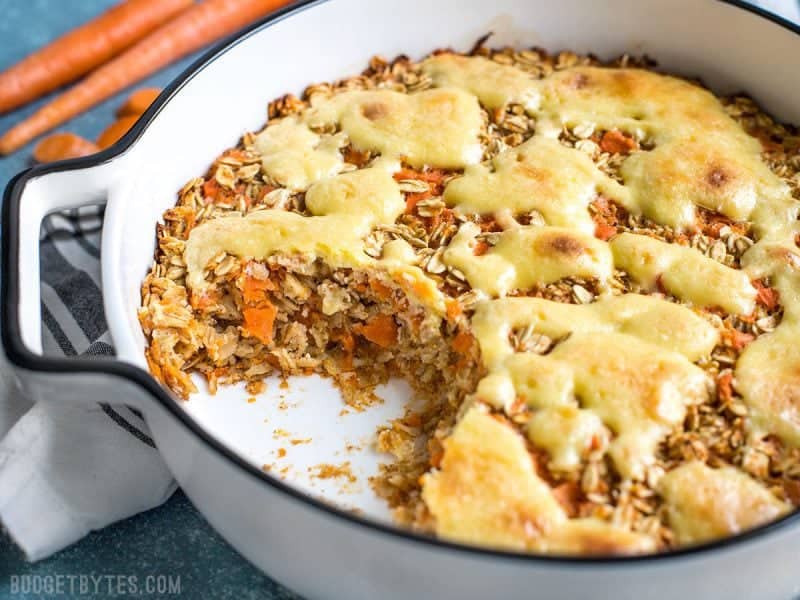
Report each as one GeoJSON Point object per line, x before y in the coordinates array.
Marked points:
{"type": "Point", "coordinates": [192, 29]}
{"type": "Point", "coordinates": [82, 49]}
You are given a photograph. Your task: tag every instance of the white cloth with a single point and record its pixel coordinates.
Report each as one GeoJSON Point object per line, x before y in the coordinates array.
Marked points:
{"type": "Point", "coordinates": [67, 470]}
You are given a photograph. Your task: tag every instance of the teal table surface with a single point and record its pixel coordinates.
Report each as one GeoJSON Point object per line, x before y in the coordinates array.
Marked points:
{"type": "Point", "coordinates": [173, 543]}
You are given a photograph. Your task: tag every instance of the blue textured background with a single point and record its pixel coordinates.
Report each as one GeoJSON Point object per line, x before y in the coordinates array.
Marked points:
{"type": "Point", "coordinates": [172, 539]}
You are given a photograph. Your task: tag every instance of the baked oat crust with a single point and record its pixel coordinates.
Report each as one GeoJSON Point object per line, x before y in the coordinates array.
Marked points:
{"type": "Point", "coordinates": [295, 313]}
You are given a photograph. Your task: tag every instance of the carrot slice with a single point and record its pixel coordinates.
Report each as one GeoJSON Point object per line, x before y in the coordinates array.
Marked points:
{"type": "Point", "coordinates": [115, 131]}
{"type": "Point", "coordinates": [725, 386]}
{"type": "Point", "coordinates": [83, 49]}
{"type": "Point", "coordinates": [453, 308]}
{"type": "Point", "coordinates": [60, 146]}
{"type": "Point", "coordinates": [253, 290]}
{"type": "Point", "coordinates": [739, 339]}
{"type": "Point", "coordinates": [766, 296]}
{"type": "Point", "coordinates": [258, 322]}
{"type": "Point", "coordinates": [195, 27]}
{"type": "Point", "coordinates": [480, 248]}
{"type": "Point", "coordinates": [138, 102]}
{"type": "Point", "coordinates": [605, 232]}
{"type": "Point", "coordinates": [462, 342]}
{"type": "Point", "coordinates": [380, 330]}
{"type": "Point", "coordinates": [616, 142]}
{"type": "Point", "coordinates": [380, 289]}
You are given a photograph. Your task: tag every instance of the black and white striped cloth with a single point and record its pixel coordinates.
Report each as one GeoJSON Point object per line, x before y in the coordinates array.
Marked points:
{"type": "Point", "coordinates": [66, 470]}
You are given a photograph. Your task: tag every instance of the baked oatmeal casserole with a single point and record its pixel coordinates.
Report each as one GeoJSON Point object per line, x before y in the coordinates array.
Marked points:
{"type": "Point", "coordinates": [587, 271]}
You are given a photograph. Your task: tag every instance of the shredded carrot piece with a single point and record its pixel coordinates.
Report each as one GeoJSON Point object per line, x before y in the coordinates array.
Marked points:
{"type": "Point", "coordinates": [616, 142]}
{"type": "Point", "coordinates": [254, 290]}
{"type": "Point", "coordinates": [380, 289]}
{"type": "Point", "coordinates": [462, 342]}
{"type": "Point", "coordinates": [380, 330]}
{"type": "Point", "coordinates": [258, 322]}
{"type": "Point", "coordinates": [413, 199]}
{"type": "Point", "coordinates": [725, 386]}
{"type": "Point", "coordinates": [202, 301]}
{"type": "Point", "coordinates": [432, 176]}
{"type": "Point", "coordinates": [211, 188]}
{"type": "Point", "coordinates": [604, 231]}
{"type": "Point", "coordinates": [739, 339]}
{"type": "Point", "coordinates": [767, 297]}
{"type": "Point", "coordinates": [453, 308]}
{"type": "Point", "coordinates": [480, 248]}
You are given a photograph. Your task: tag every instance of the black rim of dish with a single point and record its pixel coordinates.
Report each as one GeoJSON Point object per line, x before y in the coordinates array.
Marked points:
{"type": "Point", "coordinates": [19, 355]}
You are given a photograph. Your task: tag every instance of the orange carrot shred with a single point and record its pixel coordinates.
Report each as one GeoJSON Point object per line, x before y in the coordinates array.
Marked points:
{"type": "Point", "coordinates": [453, 308]}
{"type": "Point", "coordinates": [604, 232]}
{"type": "Point", "coordinates": [462, 342]}
{"type": "Point", "coordinates": [480, 248]}
{"type": "Point", "coordinates": [195, 27]}
{"type": "Point", "coordinates": [254, 290]}
{"type": "Point", "coordinates": [83, 49]}
{"type": "Point", "coordinates": [725, 386]}
{"type": "Point", "coordinates": [211, 188]}
{"type": "Point", "coordinates": [766, 296]}
{"type": "Point", "coordinates": [415, 198]}
{"type": "Point", "coordinates": [739, 339]}
{"type": "Point", "coordinates": [60, 146]}
{"type": "Point", "coordinates": [616, 142]}
{"type": "Point", "coordinates": [258, 322]}
{"type": "Point", "coordinates": [380, 289]}
{"type": "Point", "coordinates": [380, 330]}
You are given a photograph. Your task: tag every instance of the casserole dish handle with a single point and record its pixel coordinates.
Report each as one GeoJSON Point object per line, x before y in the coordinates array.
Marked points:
{"type": "Point", "coordinates": [28, 198]}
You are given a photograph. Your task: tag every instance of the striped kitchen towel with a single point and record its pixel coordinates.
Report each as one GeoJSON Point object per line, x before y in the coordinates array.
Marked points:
{"type": "Point", "coordinates": [66, 470]}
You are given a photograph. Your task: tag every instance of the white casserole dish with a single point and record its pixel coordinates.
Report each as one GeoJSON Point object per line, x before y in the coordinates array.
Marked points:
{"type": "Point", "coordinates": [215, 446]}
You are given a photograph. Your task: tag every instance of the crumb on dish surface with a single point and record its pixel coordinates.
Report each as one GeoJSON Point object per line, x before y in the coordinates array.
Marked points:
{"type": "Point", "coordinates": [588, 273]}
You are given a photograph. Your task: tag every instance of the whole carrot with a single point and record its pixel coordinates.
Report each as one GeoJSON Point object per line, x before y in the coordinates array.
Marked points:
{"type": "Point", "coordinates": [83, 49]}
{"type": "Point", "coordinates": [192, 29]}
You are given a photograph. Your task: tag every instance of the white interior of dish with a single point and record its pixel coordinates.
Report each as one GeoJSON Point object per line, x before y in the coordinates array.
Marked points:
{"type": "Point", "coordinates": [729, 48]}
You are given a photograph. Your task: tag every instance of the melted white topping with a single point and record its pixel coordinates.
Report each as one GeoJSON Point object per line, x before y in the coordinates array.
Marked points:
{"type": "Point", "coordinates": [541, 175]}
{"type": "Point", "coordinates": [567, 433]}
{"type": "Point", "coordinates": [487, 492]}
{"type": "Point", "coordinates": [437, 127]}
{"type": "Point", "coordinates": [684, 273]}
{"type": "Point", "coordinates": [528, 256]}
{"type": "Point", "coordinates": [494, 84]}
{"type": "Point", "coordinates": [295, 157]}
{"type": "Point", "coordinates": [705, 504]}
